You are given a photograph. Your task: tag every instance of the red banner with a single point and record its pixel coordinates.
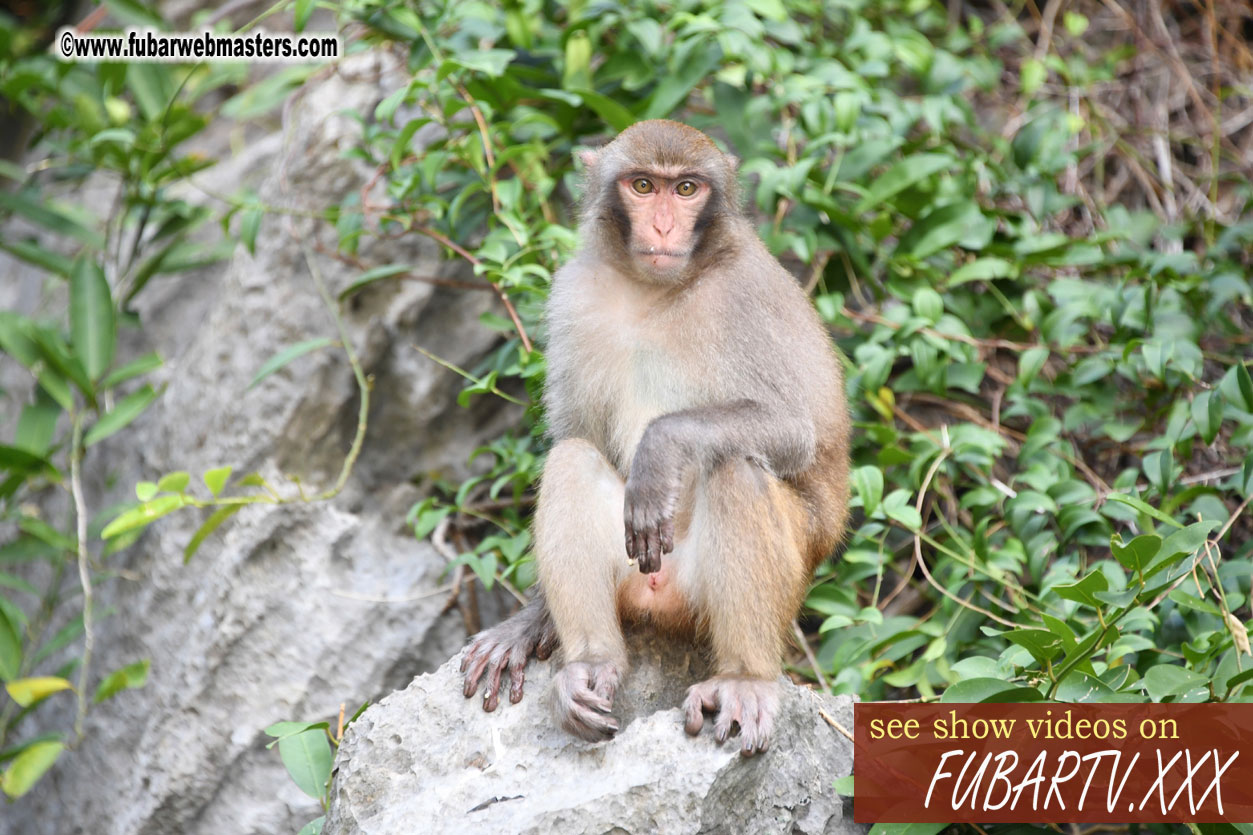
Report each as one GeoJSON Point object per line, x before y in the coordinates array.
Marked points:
{"type": "Point", "coordinates": [1053, 763]}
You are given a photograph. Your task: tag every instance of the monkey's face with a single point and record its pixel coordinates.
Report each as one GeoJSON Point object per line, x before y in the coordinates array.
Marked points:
{"type": "Point", "coordinates": [664, 213]}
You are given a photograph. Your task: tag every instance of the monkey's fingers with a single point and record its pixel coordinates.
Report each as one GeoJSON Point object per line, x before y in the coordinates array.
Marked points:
{"type": "Point", "coordinates": [667, 536]}
{"type": "Point", "coordinates": [589, 724]}
{"type": "Point", "coordinates": [732, 716]}
{"type": "Point", "coordinates": [474, 665]}
{"type": "Point", "coordinates": [546, 645]}
{"type": "Point", "coordinates": [491, 692]}
{"type": "Point", "coordinates": [517, 677]}
{"type": "Point", "coordinates": [756, 735]}
{"type": "Point", "coordinates": [700, 698]}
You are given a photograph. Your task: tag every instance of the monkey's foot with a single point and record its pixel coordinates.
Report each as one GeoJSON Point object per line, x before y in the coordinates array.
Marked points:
{"type": "Point", "coordinates": [583, 693]}
{"type": "Point", "coordinates": [744, 707]}
{"type": "Point", "coordinates": [506, 647]}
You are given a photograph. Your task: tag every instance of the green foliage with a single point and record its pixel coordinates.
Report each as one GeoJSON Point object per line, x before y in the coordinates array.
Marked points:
{"type": "Point", "coordinates": [1051, 427]}
{"type": "Point", "coordinates": [122, 126]}
{"type": "Point", "coordinates": [1052, 400]}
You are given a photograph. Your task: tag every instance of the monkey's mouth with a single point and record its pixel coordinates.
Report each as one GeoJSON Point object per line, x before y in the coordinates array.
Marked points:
{"type": "Point", "coordinates": [661, 257]}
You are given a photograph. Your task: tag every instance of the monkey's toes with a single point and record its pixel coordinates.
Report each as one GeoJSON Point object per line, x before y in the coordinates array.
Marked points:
{"type": "Point", "coordinates": [744, 707]}
{"type": "Point", "coordinates": [584, 694]}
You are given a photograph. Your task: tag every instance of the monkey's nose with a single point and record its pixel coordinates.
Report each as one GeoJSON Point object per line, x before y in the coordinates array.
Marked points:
{"type": "Point", "coordinates": [662, 225]}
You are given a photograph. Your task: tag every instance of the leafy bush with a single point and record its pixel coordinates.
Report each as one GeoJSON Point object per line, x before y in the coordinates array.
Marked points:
{"type": "Point", "coordinates": [1051, 392]}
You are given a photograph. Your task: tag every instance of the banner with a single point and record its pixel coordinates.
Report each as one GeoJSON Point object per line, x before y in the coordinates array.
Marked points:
{"type": "Point", "coordinates": [1053, 763]}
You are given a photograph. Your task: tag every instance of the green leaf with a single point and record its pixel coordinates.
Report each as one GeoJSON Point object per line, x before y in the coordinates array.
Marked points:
{"type": "Point", "coordinates": [10, 648]}
{"type": "Point", "coordinates": [1246, 386]}
{"type": "Point", "coordinates": [48, 215]}
{"type": "Point", "coordinates": [127, 409]}
{"type": "Point", "coordinates": [1084, 590]}
{"type": "Point", "coordinates": [93, 325]}
{"type": "Point", "coordinates": [1030, 363]}
{"type": "Point", "coordinates": [1032, 75]}
{"type": "Point", "coordinates": [868, 481]}
{"type": "Point", "coordinates": [33, 253]}
{"type": "Point", "coordinates": [1138, 553]}
{"type": "Point", "coordinates": [152, 86]}
{"type": "Point", "coordinates": [576, 71]}
{"type": "Point", "coordinates": [946, 226]}
{"type": "Point", "coordinates": [977, 690]}
{"type": "Point", "coordinates": [981, 269]}
{"type": "Point", "coordinates": [313, 827]}
{"type": "Point", "coordinates": [489, 62]}
{"type": "Point", "coordinates": [130, 677]}
{"type": "Point", "coordinates": [614, 114]}
{"type": "Point", "coordinates": [372, 275]}
{"type": "Point", "coordinates": [280, 730]}
{"type": "Point", "coordinates": [300, 14]}
{"type": "Point", "coordinates": [145, 490]}
{"type": "Point", "coordinates": [1165, 680]}
{"type": "Point", "coordinates": [1143, 507]}
{"type": "Point", "coordinates": [249, 225]}
{"type": "Point", "coordinates": [174, 482]}
{"type": "Point", "coordinates": [1042, 644]}
{"type": "Point", "coordinates": [142, 516]}
{"type": "Point", "coordinates": [906, 828]}
{"type": "Point", "coordinates": [215, 520]}
{"type": "Point", "coordinates": [673, 88]}
{"type": "Point", "coordinates": [18, 460]}
{"type": "Point", "coordinates": [134, 368]}
{"type": "Point", "coordinates": [843, 785]}
{"type": "Point", "coordinates": [27, 767]}
{"type": "Point", "coordinates": [1207, 413]}
{"type": "Point", "coordinates": [896, 506]}
{"type": "Point", "coordinates": [216, 479]}
{"type": "Point", "coordinates": [307, 757]}
{"type": "Point", "coordinates": [289, 354]}
{"type": "Point", "coordinates": [902, 175]}
{"type": "Point", "coordinates": [29, 691]}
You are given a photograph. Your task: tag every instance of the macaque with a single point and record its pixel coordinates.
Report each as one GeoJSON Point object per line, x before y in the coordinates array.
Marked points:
{"type": "Point", "coordinates": [699, 468]}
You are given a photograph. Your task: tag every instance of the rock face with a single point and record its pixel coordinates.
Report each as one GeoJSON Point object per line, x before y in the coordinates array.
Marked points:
{"type": "Point", "coordinates": [287, 611]}
{"type": "Point", "coordinates": [428, 760]}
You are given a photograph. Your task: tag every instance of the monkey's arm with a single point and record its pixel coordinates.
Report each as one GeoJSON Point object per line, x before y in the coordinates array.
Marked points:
{"type": "Point", "coordinates": [779, 439]}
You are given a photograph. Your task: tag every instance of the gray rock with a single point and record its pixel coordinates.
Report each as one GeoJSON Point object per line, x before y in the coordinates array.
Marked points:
{"type": "Point", "coordinates": [428, 760]}
{"type": "Point", "coordinates": [285, 612]}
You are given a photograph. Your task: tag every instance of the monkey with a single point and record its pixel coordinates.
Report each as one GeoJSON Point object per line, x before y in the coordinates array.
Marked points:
{"type": "Point", "coordinates": [699, 432]}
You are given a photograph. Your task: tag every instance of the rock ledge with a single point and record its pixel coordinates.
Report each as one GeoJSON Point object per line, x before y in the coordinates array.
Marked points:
{"type": "Point", "coordinates": [426, 759]}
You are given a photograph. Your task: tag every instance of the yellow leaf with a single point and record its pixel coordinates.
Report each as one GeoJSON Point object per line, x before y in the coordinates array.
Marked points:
{"type": "Point", "coordinates": [28, 691]}
{"type": "Point", "coordinates": [1239, 633]}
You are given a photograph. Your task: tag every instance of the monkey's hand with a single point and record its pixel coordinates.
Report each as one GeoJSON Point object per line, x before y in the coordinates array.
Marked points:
{"type": "Point", "coordinates": [583, 694]}
{"type": "Point", "coordinates": [508, 646]}
{"type": "Point", "coordinates": [744, 707]}
{"type": "Point", "coordinates": [652, 493]}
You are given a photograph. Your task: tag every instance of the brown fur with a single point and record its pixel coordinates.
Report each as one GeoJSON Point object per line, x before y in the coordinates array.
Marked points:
{"type": "Point", "coordinates": [703, 402]}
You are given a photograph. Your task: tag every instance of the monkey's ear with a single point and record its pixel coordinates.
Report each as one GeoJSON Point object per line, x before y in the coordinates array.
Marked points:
{"type": "Point", "coordinates": [732, 161]}
{"type": "Point", "coordinates": [588, 158]}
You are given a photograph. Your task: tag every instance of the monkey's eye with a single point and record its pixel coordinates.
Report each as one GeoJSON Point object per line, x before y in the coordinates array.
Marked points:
{"type": "Point", "coordinates": [686, 188]}
{"type": "Point", "coordinates": [641, 185]}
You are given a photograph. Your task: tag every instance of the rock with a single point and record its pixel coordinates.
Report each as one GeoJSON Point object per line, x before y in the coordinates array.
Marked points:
{"type": "Point", "coordinates": [426, 759]}
{"type": "Point", "coordinates": [285, 612]}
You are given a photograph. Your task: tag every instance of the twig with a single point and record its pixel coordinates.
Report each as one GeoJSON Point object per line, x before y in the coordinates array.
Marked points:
{"type": "Point", "coordinates": [833, 722]}
{"type": "Point", "coordinates": [84, 570]}
{"type": "Point", "coordinates": [363, 385]}
{"type": "Point", "coordinates": [809, 655]}
{"type": "Point", "coordinates": [473, 259]}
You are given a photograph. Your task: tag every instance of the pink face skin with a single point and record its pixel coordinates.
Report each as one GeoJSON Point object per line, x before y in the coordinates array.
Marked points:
{"type": "Point", "coordinates": [663, 213]}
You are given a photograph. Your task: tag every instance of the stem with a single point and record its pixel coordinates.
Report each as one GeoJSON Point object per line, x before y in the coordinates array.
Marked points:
{"type": "Point", "coordinates": [363, 385]}
{"type": "Point", "coordinates": [84, 570]}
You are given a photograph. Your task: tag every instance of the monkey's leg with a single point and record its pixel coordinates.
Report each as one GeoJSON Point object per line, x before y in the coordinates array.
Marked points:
{"type": "Point", "coordinates": [508, 646]}
{"type": "Point", "coordinates": [581, 559]}
{"type": "Point", "coordinates": [746, 575]}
